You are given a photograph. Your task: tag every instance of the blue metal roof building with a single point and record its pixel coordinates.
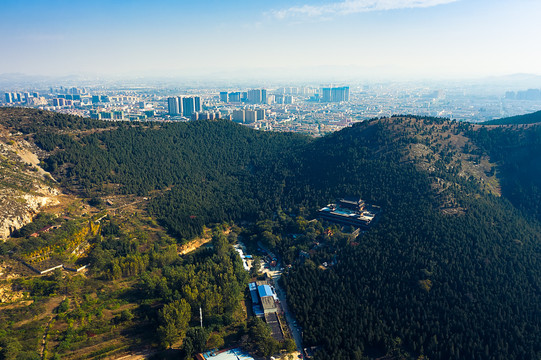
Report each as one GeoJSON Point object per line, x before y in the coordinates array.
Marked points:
{"type": "Point", "coordinates": [253, 293]}
{"type": "Point", "coordinates": [263, 298]}
{"type": "Point", "coordinates": [232, 354]}
{"type": "Point", "coordinates": [264, 290]}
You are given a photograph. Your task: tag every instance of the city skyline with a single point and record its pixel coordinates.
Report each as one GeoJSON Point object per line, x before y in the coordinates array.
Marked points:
{"type": "Point", "coordinates": [403, 39]}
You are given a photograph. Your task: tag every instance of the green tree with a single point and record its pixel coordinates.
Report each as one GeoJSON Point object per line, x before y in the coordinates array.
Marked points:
{"type": "Point", "coordinates": [256, 266]}
{"type": "Point", "coordinates": [289, 345]}
{"type": "Point", "coordinates": [173, 318]}
{"type": "Point", "coordinates": [9, 349]}
{"type": "Point", "coordinates": [126, 315]}
{"type": "Point", "coordinates": [261, 337]}
{"type": "Point", "coordinates": [220, 243]}
{"type": "Point", "coordinates": [195, 341]}
{"type": "Point", "coordinates": [215, 341]}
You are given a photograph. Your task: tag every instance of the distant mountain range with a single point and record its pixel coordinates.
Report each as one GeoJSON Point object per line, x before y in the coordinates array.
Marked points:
{"type": "Point", "coordinates": [254, 76]}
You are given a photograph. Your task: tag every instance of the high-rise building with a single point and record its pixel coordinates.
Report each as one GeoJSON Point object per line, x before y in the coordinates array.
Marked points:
{"type": "Point", "coordinates": [180, 105]}
{"type": "Point", "coordinates": [257, 96]}
{"type": "Point", "coordinates": [261, 114]}
{"type": "Point", "coordinates": [340, 94]}
{"type": "Point", "coordinates": [197, 103]}
{"type": "Point", "coordinates": [530, 94]}
{"type": "Point", "coordinates": [173, 105]}
{"type": "Point", "coordinates": [326, 95]}
{"type": "Point", "coordinates": [239, 116]}
{"type": "Point", "coordinates": [206, 115]}
{"type": "Point", "coordinates": [95, 115]}
{"type": "Point", "coordinates": [335, 94]}
{"type": "Point", "coordinates": [188, 106]}
{"type": "Point", "coordinates": [510, 95]}
{"type": "Point", "coordinates": [59, 102]}
{"type": "Point", "coordinates": [118, 115]}
{"type": "Point", "coordinates": [234, 97]}
{"type": "Point", "coordinates": [254, 96]}
{"type": "Point", "coordinates": [9, 98]}
{"type": "Point", "coordinates": [224, 96]}
{"type": "Point", "coordinates": [250, 116]}
{"type": "Point", "coordinates": [106, 115]}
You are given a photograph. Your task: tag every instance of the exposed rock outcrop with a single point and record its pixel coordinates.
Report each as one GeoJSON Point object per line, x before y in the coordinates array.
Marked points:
{"type": "Point", "coordinates": [24, 190]}
{"type": "Point", "coordinates": [18, 209]}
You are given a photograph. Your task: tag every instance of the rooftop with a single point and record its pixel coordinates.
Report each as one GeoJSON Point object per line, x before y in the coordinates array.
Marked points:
{"type": "Point", "coordinates": [264, 290]}
{"type": "Point", "coordinates": [268, 303]}
{"type": "Point", "coordinates": [231, 354]}
{"type": "Point", "coordinates": [345, 213]}
{"type": "Point", "coordinates": [253, 293]}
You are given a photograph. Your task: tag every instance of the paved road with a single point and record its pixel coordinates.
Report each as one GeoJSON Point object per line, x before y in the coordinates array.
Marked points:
{"type": "Point", "coordinates": [275, 275]}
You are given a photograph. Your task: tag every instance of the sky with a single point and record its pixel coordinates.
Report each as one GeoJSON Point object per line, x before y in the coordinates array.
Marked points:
{"type": "Point", "coordinates": [297, 38]}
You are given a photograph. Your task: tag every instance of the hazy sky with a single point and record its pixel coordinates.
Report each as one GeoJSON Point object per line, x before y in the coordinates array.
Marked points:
{"type": "Point", "coordinates": [412, 38]}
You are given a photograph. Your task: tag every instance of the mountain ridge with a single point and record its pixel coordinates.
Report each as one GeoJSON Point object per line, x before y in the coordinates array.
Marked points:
{"type": "Point", "coordinates": [428, 279]}
{"type": "Point", "coordinates": [526, 119]}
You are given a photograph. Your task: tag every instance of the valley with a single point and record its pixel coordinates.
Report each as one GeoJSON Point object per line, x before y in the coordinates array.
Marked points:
{"type": "Point", "coordinates": [449, 271]}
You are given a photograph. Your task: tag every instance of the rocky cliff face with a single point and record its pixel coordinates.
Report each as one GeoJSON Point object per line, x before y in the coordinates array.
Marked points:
{"type": "Point", "coordinates": [25, 189]}
{"type": "Point", "coordinates": [18, 208]}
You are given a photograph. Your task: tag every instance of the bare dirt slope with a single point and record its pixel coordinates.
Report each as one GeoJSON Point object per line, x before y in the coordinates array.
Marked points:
{"type": "Point", "coordinates": [25, 188]}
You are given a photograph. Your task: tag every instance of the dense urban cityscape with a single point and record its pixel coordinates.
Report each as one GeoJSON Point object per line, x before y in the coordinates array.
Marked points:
{"type": "Point", "coordinates": [270, 180]}
{"type": "Point", "coordinates": [315, 110]}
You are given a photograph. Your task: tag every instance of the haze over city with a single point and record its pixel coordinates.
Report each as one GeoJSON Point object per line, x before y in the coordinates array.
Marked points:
{"type": "Point", "coordinates": [363, 39]}
{"type": "Point", "coordinates": [270, 180]}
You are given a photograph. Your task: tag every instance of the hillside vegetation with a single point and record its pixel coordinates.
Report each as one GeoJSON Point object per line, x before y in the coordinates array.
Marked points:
{"type": "Point", "coordinates": [451, 270]}
{"type": "Point", "coordinates": [517, 153]}
{"type": "Point", "coordinates": [25, 189]}
{"type": "Point", "coordinates": [517, 120]}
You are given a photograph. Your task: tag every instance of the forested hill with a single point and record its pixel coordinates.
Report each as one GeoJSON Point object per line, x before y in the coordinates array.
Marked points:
{"type": "Point", "coordinates": [451, 271]}
{"type": "Point", "coordinates": [518, 155]}
{"type": "Point", "coordinates": [431, 278]}
{"type": "Point", "coordinates": [516, 120]}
